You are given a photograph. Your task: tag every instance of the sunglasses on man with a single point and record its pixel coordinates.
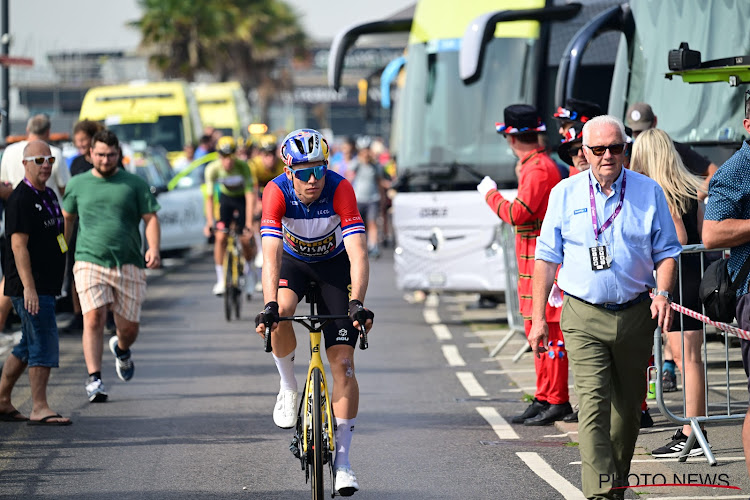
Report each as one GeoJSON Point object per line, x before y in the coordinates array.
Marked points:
{"type": "Point", "coordinates": [304, 174]}
{"type": "Point", "coordinates": [39, 160]}
{"type": "Point", "coordinates": [615, 149]}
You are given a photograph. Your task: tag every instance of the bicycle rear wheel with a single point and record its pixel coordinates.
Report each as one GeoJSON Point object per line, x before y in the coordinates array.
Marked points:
{"type": "Point", "coordinates": [228, 285]}
{"type": "Point", "coordinates": [316, 460]}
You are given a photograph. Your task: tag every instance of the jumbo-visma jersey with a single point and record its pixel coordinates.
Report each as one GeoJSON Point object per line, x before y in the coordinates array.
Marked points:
{"type": "Point", "coordinates": [311, 233]}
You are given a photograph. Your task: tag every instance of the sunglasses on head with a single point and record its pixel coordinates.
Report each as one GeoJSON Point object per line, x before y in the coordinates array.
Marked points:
{"type": "Point", "coordinates": [39, 160]}
{"type": "Point", "coordinates": [304, 174]}
{"type": "Point", "coordinates": [615, 149]}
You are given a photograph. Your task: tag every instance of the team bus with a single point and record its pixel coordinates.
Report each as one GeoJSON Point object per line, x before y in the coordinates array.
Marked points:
{"type": "Point", "coordinates": [708, 117]}
{"type": "Point", "coordinates": [154, 113]}
{"type": "Point", "coordinates": [465, 62]}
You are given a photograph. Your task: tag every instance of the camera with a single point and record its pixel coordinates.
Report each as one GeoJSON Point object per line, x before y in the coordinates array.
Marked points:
{"type": "Point", "coordinates": [684, 58]}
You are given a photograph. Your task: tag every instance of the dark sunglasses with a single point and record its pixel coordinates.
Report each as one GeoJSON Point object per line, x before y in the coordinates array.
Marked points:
{"type": "Point", "coordinates": [575, 150]}
{"type": "Point", "coordinates": [304, 174]}
{"type": "Point", "coordinates": [615, 149]}
{"type": "Point", "coordinates": [39, 160]}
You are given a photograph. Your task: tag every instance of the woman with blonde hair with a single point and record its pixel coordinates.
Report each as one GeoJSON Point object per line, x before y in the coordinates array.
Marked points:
{"type": "Point", "coordinates": [654, 155]}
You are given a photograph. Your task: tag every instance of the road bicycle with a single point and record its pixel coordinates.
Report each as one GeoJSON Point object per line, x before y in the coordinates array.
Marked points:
{"type": "Point", "coordinates": [233, 267]}
{"type": "Point", "coordinates": [314, 442]}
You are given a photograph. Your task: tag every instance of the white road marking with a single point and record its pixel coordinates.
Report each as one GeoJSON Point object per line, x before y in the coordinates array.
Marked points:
{"type": "Point", "coordinates": [471, 384]}
{"type": "Point", "coordinates": [498, 423]}
{"type": "Point", "coordinates": [504, 372]}
{"type": "Point", "coordinates": [476, 345]}
{"type": "Point", "coordinates": [430, 316]}
{"type": "Point", "coordinates": [550, 476]}
{"type": "Point", "coordinates": [453, 356]}
{"type": "Point", "coordinates": [441, 332]}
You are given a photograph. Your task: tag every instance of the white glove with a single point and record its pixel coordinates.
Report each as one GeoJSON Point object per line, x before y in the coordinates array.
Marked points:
{"type": "Point", "coordinates": [486, 186]}
{"type": "Point", "coordinates": [555, 298]}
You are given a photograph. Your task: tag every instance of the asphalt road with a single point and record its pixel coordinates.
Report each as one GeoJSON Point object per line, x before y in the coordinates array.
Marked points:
{"type": "Point", "coordinates": [195, 421]}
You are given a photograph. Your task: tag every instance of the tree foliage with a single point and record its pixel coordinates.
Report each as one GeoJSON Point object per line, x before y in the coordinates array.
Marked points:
{"type": "Point", "coordinates": [233, 39]}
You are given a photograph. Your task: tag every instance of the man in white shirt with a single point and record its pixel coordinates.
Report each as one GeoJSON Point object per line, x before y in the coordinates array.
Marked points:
{"type": "Point", "coordinates": [11, 166]}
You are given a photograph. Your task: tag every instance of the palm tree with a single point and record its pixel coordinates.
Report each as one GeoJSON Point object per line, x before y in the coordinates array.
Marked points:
{"type": "Point", "coordinates": [240, 40]}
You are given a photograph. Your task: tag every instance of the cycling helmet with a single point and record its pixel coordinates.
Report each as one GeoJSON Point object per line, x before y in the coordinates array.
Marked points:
{"type": "Point", "coordinates": [226, 145]}
{"type": "Point", "coordinates": [304, 145]}
{"type": "Point", "coordinates": [267, 143]}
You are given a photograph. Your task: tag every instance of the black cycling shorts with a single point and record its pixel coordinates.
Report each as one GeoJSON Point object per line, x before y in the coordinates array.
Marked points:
{"type": "Point", "coordinates": [227, 206]}
{"type": "Point", "coordinates": [334, 281]}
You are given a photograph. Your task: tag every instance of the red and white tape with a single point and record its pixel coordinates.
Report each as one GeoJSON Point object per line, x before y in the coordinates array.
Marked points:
{"type": "Point", "coordinates": [738, 332]}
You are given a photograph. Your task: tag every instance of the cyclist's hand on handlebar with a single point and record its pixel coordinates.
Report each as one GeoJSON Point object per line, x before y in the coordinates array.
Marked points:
{"type": "Point", "coordinates": [359, 315]}
{"type": "Point", "coordinates": [268, 317]}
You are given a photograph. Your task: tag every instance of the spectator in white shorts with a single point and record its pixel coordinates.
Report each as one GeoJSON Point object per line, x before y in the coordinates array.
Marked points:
{"type": "Point", "coordinates": [109, 270]}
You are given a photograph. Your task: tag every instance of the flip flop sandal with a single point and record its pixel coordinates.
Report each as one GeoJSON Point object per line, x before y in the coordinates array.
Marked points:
{"type": "Point", "coordinates": [46, 421]}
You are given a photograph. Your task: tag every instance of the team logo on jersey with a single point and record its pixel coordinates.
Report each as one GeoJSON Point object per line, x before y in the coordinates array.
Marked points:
{"type": "Point", "coordinates": [312, 248]}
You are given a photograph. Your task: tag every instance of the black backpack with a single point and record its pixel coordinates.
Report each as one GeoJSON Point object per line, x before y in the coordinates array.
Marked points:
{"type": "Point", "coordinates": [717, 291]}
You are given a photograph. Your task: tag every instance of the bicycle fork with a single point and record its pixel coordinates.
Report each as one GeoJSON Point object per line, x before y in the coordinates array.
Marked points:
{"type": "Point", "coordinates": [300, 446]}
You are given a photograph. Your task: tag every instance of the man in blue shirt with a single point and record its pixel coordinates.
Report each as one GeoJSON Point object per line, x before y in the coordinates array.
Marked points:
{"type": "Point", "coordinates": [727, 224]}
{"type": "Point", "coordinates": [609, 228]}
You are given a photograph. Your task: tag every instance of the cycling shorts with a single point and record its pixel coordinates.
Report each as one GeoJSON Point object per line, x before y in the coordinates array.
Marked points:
{"type": "Point", "coordinates": [334, 281]}
{"type": "Point", "coordinates": [227, 207]}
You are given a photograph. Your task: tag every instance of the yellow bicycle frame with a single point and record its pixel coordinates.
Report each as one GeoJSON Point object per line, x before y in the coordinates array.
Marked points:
{"type": "Point", "coordinates": [317, 362]}
{"type": "Point", "coordinates": [232, 247]}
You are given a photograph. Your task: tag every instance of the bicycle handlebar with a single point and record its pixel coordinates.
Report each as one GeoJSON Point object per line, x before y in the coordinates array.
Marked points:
{"type": "Point", "coordinates": [322, 319]}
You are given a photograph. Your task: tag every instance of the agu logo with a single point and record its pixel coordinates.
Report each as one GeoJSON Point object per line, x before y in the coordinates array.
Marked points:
{"type": "Point", "coordinates": [343, 335]}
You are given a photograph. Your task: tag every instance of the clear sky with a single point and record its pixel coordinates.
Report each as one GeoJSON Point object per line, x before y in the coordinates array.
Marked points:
{"type": "Point", "coordinates": [42, 26]}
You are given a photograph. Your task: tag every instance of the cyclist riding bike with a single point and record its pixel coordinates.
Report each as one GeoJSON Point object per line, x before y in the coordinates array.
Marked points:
{"type": "Point", "coordinates": [229, 184]}
{"type": "Point", "coordinates": [311, 230]}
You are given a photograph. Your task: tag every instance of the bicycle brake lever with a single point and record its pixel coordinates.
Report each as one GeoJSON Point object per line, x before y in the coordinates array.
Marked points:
{"type": "Point", "coordinates": [267, 339]}
{"type": "Point", "coordinates": [363, 338]}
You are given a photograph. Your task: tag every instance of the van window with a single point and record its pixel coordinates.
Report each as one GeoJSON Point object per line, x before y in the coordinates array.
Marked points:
{"type": "Point", "coordinates": [167, 132]}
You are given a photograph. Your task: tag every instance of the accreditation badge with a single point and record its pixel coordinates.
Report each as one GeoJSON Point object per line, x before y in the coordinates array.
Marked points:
{"type": "Point", "coordinates": [600, 258]}
{"type": "Point", "coordinates": [61, 242]}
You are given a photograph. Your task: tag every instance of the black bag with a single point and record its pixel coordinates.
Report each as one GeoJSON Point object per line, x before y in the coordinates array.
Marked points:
{"type": "Point", "coordinates": [717, 291]}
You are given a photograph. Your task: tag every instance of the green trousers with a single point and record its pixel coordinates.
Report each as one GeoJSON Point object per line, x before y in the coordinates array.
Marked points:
{"type": "Point", "coordinates": [608, 353]}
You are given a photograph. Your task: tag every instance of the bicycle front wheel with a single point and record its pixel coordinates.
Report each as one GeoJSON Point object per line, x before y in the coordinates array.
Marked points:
{"type": "Point", "coordinates": [228, 285]}
{"type": "Point", "coordinates": [316, 460]}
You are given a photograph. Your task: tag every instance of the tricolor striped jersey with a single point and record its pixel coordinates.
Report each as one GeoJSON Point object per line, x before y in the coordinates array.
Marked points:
{"type": "Point", "coordinates": [316, 232]}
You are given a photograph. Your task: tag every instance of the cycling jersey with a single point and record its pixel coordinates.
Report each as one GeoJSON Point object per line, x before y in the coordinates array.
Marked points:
{"type": "Point", "coordinates": [316, 232]}
{"type": "Point", "coordinates": [235, 182]}
{"type": "Point", "coordinates": [262, 174]}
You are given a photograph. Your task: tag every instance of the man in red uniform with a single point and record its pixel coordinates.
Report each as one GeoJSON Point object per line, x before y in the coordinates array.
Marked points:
{"type": "Point", "coordinates": [572, 117]}
{"type": "Point", "coordinates": [537, 175]}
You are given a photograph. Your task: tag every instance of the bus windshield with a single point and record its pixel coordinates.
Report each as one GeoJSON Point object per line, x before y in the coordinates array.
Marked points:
{"type": "Point", "coordinates": [691, 113]}
{"type": "Point", "coordinates": [167, 132]}
{"type": "Point", "coordinates": [448, 134]}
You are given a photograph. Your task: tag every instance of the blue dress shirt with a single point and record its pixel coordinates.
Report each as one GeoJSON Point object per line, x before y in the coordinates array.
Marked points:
{"type": "Point", "coordinates": [642, 235]}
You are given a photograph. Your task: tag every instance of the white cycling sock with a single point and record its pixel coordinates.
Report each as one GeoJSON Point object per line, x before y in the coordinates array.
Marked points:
{"type": "Point", "coordinates": [344, 430]}
{"type": "Point", "coordinates": [285, 366]}
{"type": "Point", "coordinates": [219, 273]}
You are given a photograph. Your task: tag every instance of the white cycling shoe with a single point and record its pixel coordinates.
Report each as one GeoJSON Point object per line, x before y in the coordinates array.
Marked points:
{"type": "Point", "coordinates": [219, 288]}
{"type": "Point", "coordinates": [345, 481]}
{"type": "Point", "coordinates": [285, 411]}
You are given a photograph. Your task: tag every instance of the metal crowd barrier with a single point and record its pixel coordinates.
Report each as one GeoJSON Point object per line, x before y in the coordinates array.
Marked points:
{"type": "Point", "coordinates": [512, 302]}
{"type": "Point", "coordinates": [695, 422]}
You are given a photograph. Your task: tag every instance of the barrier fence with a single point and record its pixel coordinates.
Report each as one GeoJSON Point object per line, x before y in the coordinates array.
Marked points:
{"type": "Point", "coordinates": [726, 414]}
{"type": "Point", "coordinates": [512, 302]}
